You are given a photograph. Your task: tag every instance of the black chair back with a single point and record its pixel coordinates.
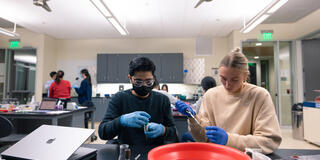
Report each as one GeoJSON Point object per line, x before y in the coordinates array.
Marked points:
{"type": "Point", "coordinates": [6, 127]}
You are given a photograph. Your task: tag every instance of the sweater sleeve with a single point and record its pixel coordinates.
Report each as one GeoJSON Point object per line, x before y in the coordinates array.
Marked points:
{"type": "Point", "coordinates": [265, 130]}
{"type": "Point", "coordinates": [110, 125]}
{"type": "Point", "coordinates": [170, 133]}
{"type": "Point", "coordinates": [82, 89]}
{"type": "Point", "coordinates": [197, 131]}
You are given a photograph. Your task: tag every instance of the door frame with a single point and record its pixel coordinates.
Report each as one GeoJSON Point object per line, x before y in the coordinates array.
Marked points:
{"type": "Point", "coordinates": [276, 47]}
{"type": "Point", "coordinates": [5, 73]}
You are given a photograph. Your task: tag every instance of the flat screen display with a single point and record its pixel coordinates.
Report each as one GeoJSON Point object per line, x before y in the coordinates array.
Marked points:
{"type": "Point", "coordinates": [48, 105]}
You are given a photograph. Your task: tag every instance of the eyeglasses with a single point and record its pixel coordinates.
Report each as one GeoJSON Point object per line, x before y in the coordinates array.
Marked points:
{"type": "Point", "coordinates": [139, 82]}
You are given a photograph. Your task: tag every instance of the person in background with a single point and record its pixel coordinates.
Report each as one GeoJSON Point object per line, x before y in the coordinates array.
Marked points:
{"type": "Point", "coordinates": [164, 87]}
{"type": "Point", "coordinates": [130, 111]}
{"type": "Point", "coordinates": [206, 83]}
{"type": "Point", "coordinates": [53, 76]}
{"type": "Point", "coordinates": [156, 88]}
{"type": "Point", "coordinates": [60, 88]}
{"type": "Point", "coordinates": [85, 93]}
{"type": "Point", "coordinates": [85, 90]}
{"type": "Point", "coordinates": [236, 114]}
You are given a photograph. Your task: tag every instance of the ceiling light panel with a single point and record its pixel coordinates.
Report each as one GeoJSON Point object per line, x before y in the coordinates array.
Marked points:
{"type": "Point", "coordinates": [118, 26]}
{"type": "Point", "coordinates": [102, 7]}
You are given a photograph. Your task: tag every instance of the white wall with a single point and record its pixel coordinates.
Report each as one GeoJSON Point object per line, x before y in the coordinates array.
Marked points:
{"type": "Point", "coordinates": [184, 89]}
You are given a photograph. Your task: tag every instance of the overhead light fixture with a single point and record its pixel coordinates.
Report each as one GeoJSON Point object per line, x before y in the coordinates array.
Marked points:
{"type": "Point", "coordinates": [102, 7]}
{"type": "Point", "coordinates": [106, 12]}
{"type": "Point", "coordinates": [43, 4]}
{"type": "Point", "coordinates": [9, 33]}
{"type": "Point", "coordinates": [118, 26]}
{"type": "Point", "coordinates": [263, 15]}
{"type": "Point", "coordinates": [256, 57]}
{"type": "Point", "coordinates": [258, 44]}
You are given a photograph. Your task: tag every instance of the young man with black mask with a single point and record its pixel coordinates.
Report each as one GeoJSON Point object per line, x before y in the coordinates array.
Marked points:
{"type": "Point", "coordinates": [130, 110]}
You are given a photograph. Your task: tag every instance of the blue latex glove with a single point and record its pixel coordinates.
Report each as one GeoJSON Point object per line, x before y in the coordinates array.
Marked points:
{"type": "Point", "coordinates": [216, 135]}
{"type": "Point", "coordinates": [182, 107]}
{"type": "Point", "coordinates": [74, 86]}
{"type": "Point", "coordinates": [135, 119]}
{"type": "Point", "coordinates": [154, 130]}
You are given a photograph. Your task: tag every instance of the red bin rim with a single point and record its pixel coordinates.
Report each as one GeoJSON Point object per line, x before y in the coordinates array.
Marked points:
{"type": "Point", "coordinates": [160, 150]}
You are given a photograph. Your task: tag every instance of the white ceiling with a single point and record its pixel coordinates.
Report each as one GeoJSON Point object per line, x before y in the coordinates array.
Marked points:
{"type": "Point", "coordinates": [293, 11]}
{"type": "Point", "coordinates": [79, 19]}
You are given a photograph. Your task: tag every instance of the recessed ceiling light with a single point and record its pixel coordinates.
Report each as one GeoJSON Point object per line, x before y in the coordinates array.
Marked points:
{"type": "Point", "coordinates": [256, 57]}
{"type": "Point", "coordinates": [258, 44]}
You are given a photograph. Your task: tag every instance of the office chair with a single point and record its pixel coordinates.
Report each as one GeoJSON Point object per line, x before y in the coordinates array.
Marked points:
{"type": "Point", "coordinates": [7, 137]}
{"type": "Point", "coordinates": [6, 127]}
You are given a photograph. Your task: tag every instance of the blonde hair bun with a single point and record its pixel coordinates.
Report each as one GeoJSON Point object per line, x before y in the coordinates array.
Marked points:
{"type": "Point", "coordinates": [236, 49]}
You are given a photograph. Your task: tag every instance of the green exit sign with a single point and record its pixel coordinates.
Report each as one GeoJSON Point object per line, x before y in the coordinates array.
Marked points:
{"type": "Point", "coordinates": [14, 44]}
{"type": "Point", "coordinates": [266, 36]}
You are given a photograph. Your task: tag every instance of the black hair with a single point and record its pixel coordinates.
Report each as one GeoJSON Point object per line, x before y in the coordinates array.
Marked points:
{"type": "Point", "coordinates": [156, 83]}
{"type": "Point", "coordinates": [86, 73]}
{"type": "Point", "coordinates": [60, 75]}
{"type": "Point", "coordinates": [141, 64]}
{"type": "Point", "coordinates": [208, 82]}
{"type": "Point", "coordinates": [52, 73]}
{"type": "Point", "coordinates": [164, 85]}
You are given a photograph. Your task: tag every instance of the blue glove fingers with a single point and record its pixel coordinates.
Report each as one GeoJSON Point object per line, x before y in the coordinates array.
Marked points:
{"type": "Point", "coordinates": [216, 135]}
{"type": "Point", "coordinates": [144, 114]}
{"type": "Point", "coordinates": [212, 128]}
{"type": "Point", "coordinates": [144, 119]}
{"type": "Point", "coordinates": [211, 132]}
{"type": "Point", "coordinates": [154, 130]}
{"type": "Point", "coordinates": [140, 123]}
{"type": "Point", "coordinates": [212, 138]}
{"type": "Point", "coordinates": [182, 107]}
{"type": "Point", "coordinates": [191, 110]}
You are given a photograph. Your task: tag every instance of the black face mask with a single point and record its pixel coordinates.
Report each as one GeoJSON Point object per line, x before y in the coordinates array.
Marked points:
{"type": "Point", "coordinates": [143, 90]}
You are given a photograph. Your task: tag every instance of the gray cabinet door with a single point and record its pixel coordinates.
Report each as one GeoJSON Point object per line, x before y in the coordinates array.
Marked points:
{"type": "Point", "coordinates": [112, 68]}
{"type": "Point", "coordinates": [155, 58]}
{"type": "Point", "coordinates": [172, 68]}
{"type": "Point", "coordinates": [102, 68]}
{"type": "Point", "coordinates": [123, 66]}
{"type": "Point", "coordinates": [311, 65]}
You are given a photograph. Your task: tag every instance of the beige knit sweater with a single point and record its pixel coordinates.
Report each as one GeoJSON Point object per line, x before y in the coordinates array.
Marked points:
{"type": "Point", "coordinates": [248, 117]}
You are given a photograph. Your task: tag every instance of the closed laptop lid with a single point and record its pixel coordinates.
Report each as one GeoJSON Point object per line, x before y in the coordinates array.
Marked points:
{"type": "Point", "coordinates": [49, 142]}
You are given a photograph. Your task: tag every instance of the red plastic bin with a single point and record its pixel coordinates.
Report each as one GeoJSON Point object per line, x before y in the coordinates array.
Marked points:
{"type": "Point", "coordinates": [196, 151]}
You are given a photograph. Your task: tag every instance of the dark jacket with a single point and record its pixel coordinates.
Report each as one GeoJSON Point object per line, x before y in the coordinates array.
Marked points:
{"type": "Point", "coordinates": [84, 92]}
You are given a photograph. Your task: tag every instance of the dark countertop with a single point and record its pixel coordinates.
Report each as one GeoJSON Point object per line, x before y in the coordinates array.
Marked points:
{"type": "Point", "coordinates": [111, 151]}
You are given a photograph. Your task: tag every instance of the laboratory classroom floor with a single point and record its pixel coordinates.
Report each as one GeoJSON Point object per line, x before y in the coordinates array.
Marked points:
{"type": "Point", "coordinates": [287, 141]}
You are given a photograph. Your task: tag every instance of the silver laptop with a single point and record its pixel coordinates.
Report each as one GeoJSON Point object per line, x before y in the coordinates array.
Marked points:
{"type": "Point", "coordinates": [48, 142]}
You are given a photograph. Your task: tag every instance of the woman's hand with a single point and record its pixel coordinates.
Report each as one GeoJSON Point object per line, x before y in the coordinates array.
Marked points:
{"type": "Point", "coordinates": [216, 135]}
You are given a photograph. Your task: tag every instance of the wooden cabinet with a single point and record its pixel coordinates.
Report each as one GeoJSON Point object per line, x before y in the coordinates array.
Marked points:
{"type": "Point", "coordinates": [114, 68]}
